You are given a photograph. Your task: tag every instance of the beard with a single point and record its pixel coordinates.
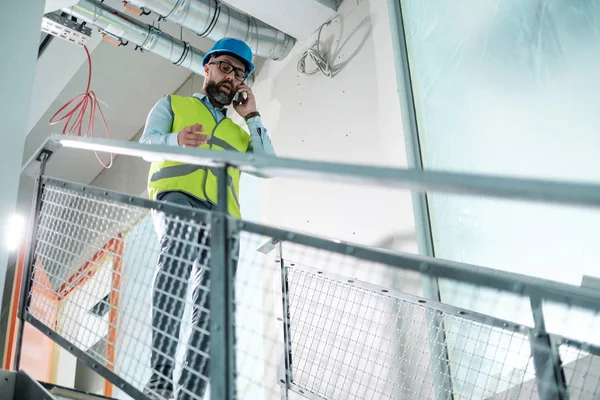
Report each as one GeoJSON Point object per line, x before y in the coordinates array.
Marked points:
{"type": "Point", "coordinates": [216, 93]}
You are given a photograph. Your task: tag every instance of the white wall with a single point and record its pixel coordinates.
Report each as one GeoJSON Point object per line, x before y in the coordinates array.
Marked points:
{"type": "Point", "coordinates": [352, 118]}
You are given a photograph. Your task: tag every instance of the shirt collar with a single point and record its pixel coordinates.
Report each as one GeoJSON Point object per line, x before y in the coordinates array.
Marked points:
{"type": "Point", "coordinates": [202, 97]}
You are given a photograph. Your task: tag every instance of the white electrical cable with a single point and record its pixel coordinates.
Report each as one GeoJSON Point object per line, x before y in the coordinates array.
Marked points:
{"type": "Point", "coordinates": [317, 57]}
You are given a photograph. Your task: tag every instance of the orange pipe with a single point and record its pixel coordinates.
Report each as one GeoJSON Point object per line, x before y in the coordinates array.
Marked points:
{"type": "Point", "coordinates": [83, 273]}
{"type": "Point", "coordinates": [11, 331]}
{"type": "Point", "coordinates": [114, 311]}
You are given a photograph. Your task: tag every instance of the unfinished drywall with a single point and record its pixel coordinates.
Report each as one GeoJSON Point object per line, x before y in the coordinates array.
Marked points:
{"type": "Point", "coordinates": [351, 118]}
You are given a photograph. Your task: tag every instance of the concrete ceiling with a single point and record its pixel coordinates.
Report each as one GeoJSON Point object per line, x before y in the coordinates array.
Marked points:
{"type": "Point", "coordinates": [130, 81]}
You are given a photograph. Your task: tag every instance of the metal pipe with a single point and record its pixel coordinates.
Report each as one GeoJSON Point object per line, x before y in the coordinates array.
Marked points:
{"type": "Point", "coordinates": [145, 36]}
{"type": "Point", "coordinates": [215, 20]}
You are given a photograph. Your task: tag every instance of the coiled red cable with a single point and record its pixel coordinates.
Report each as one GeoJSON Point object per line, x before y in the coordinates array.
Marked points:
{"type": "Point", "coordinates": [84, 103]}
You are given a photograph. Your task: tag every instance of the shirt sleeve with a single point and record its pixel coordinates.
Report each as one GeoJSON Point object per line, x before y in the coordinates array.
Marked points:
{"type": "Point", "coordinates": [159, 124]}
{"type": "Point", "coordinates": [260, 142]}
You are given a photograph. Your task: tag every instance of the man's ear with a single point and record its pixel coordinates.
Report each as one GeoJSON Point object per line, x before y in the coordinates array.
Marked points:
{"type": "Point", "coordinates": [206, 70]}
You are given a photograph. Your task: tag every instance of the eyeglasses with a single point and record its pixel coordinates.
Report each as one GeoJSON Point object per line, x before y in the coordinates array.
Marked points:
{"type": "Point", "coordinates": [226, 68]}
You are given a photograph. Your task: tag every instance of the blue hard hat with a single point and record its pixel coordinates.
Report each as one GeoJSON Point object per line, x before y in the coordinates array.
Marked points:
{"type": "Point", "coordinates": [234, 47]}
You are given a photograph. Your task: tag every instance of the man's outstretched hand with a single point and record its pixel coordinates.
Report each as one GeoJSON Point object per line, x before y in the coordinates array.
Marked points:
{"type": "Point", "coordinates": [192, 136]}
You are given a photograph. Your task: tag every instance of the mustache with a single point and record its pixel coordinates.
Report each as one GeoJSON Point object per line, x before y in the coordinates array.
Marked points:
{"type": "Point", "coordinates": [225, 84]}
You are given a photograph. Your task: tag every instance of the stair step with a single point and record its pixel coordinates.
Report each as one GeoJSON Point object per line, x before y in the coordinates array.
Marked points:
{"type": "Point", "coordinates": [64, 393]}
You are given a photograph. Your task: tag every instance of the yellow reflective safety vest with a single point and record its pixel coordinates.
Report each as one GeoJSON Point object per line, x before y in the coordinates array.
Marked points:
{"type": "Point", "coordinates": [196, 180]}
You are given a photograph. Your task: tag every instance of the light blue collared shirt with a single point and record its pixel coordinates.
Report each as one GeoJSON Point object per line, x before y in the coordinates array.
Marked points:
{"type": "Point", "coordinates": [160, 121]}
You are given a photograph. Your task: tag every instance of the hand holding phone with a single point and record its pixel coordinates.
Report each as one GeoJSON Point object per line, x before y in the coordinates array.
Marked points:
{"type": "Point", "coordinates": [244, 102]}
{"type": "Point", "coordinates": [239, 98]}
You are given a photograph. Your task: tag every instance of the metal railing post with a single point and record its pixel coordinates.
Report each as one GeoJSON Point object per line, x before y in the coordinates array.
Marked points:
{"type": "Point", "coordinates": [26, 284]}
{"type": "Point", "coordinates": [549, 373]}
{"type": "Point", "coordinates": [286, 374]}
{"type": "Point", "coordinates": [222, 346]}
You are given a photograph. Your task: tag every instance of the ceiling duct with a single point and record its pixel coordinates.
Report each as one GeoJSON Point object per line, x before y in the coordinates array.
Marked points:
{"type": "Point", "coordinates": [145, 36]}
{"type": "Point", "coordinates": [215, 20]}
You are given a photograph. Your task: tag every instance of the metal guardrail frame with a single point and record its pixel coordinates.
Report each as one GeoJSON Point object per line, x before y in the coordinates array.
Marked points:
{"type": "Point", "coordinates": [526, 189]}
{"type": "Point", "coordinates": [505, 281]}
{"type": "Point", "coordinates": [24, 299]}
{"type": "Point", "coordinates": [222, 351]}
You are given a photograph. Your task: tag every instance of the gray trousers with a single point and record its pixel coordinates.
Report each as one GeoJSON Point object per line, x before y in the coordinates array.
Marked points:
{"type": "Point", "coordinates": [184, 254]}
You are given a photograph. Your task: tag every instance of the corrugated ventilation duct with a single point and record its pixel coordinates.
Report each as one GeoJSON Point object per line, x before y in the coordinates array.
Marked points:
{"type": "Point", "coordinates": [145, 36]}
{"type": "Point", "coordinates": [215, 20]}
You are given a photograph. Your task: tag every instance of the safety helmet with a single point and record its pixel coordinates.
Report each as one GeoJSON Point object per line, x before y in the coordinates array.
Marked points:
{"type": "Point", "coordinates": [234, 47]}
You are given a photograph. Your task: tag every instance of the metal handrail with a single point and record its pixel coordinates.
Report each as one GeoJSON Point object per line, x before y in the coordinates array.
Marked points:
{"type": "Point", "coordinates": [528, 189]}
{"type": "Point", "coordinates": [539, 190]}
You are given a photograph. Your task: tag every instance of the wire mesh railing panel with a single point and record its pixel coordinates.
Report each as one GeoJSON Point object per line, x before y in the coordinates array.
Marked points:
{"type": "Point", "coordinates": [124, 284]}
{"type": "Point", "coordinates": [259, 330]}
{"type": "Point", "coordinates": [164, 345]}
{"type": "Point", "coordinates": [350, 343]}
{"type": "Point", "coordinates": [489, 361]}
{"type": "Point", "coordinates": [352, 340]}
{"type": "Point", "coordinates": [127, 286]}
{"type": "Point", "coordinates": [582, 372]}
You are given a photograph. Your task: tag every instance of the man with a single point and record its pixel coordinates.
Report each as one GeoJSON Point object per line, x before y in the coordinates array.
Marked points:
{"type": "Point", "coordinates": [197, 121]}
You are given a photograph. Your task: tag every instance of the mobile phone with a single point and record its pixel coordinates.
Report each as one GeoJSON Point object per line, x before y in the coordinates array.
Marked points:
{"type": "Point", "coordinates": [239, 98]}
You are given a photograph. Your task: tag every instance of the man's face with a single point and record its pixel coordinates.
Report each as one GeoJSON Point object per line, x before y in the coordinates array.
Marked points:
{"type": "Point", "coordinates": [222, 87]}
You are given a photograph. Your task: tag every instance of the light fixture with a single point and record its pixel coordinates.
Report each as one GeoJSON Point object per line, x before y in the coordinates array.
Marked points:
{"type": "Point", "coordinates": [15, 228]}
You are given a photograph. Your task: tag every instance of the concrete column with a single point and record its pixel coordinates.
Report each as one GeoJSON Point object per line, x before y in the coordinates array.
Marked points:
{"type": "Point", "coordinates": [18, 50]}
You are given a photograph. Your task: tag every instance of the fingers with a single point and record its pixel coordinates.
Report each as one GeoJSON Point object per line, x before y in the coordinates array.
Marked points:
{"type": "Point", "coordinates": [197, 128]}
{"type": "Point", "coordinates": [192, 136]}
{"type": "Point", "coordinates": [244, 88]}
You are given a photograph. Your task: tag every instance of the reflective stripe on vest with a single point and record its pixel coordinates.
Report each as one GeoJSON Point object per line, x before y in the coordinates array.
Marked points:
{"type": "Point", "coordinates": [200, 181]}
{"type": "Point", "coordinates": [185, 169]}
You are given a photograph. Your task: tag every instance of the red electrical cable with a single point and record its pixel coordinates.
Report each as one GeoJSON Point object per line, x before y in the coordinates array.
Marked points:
{"type": "Point", "coordinates": [82, 102]}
